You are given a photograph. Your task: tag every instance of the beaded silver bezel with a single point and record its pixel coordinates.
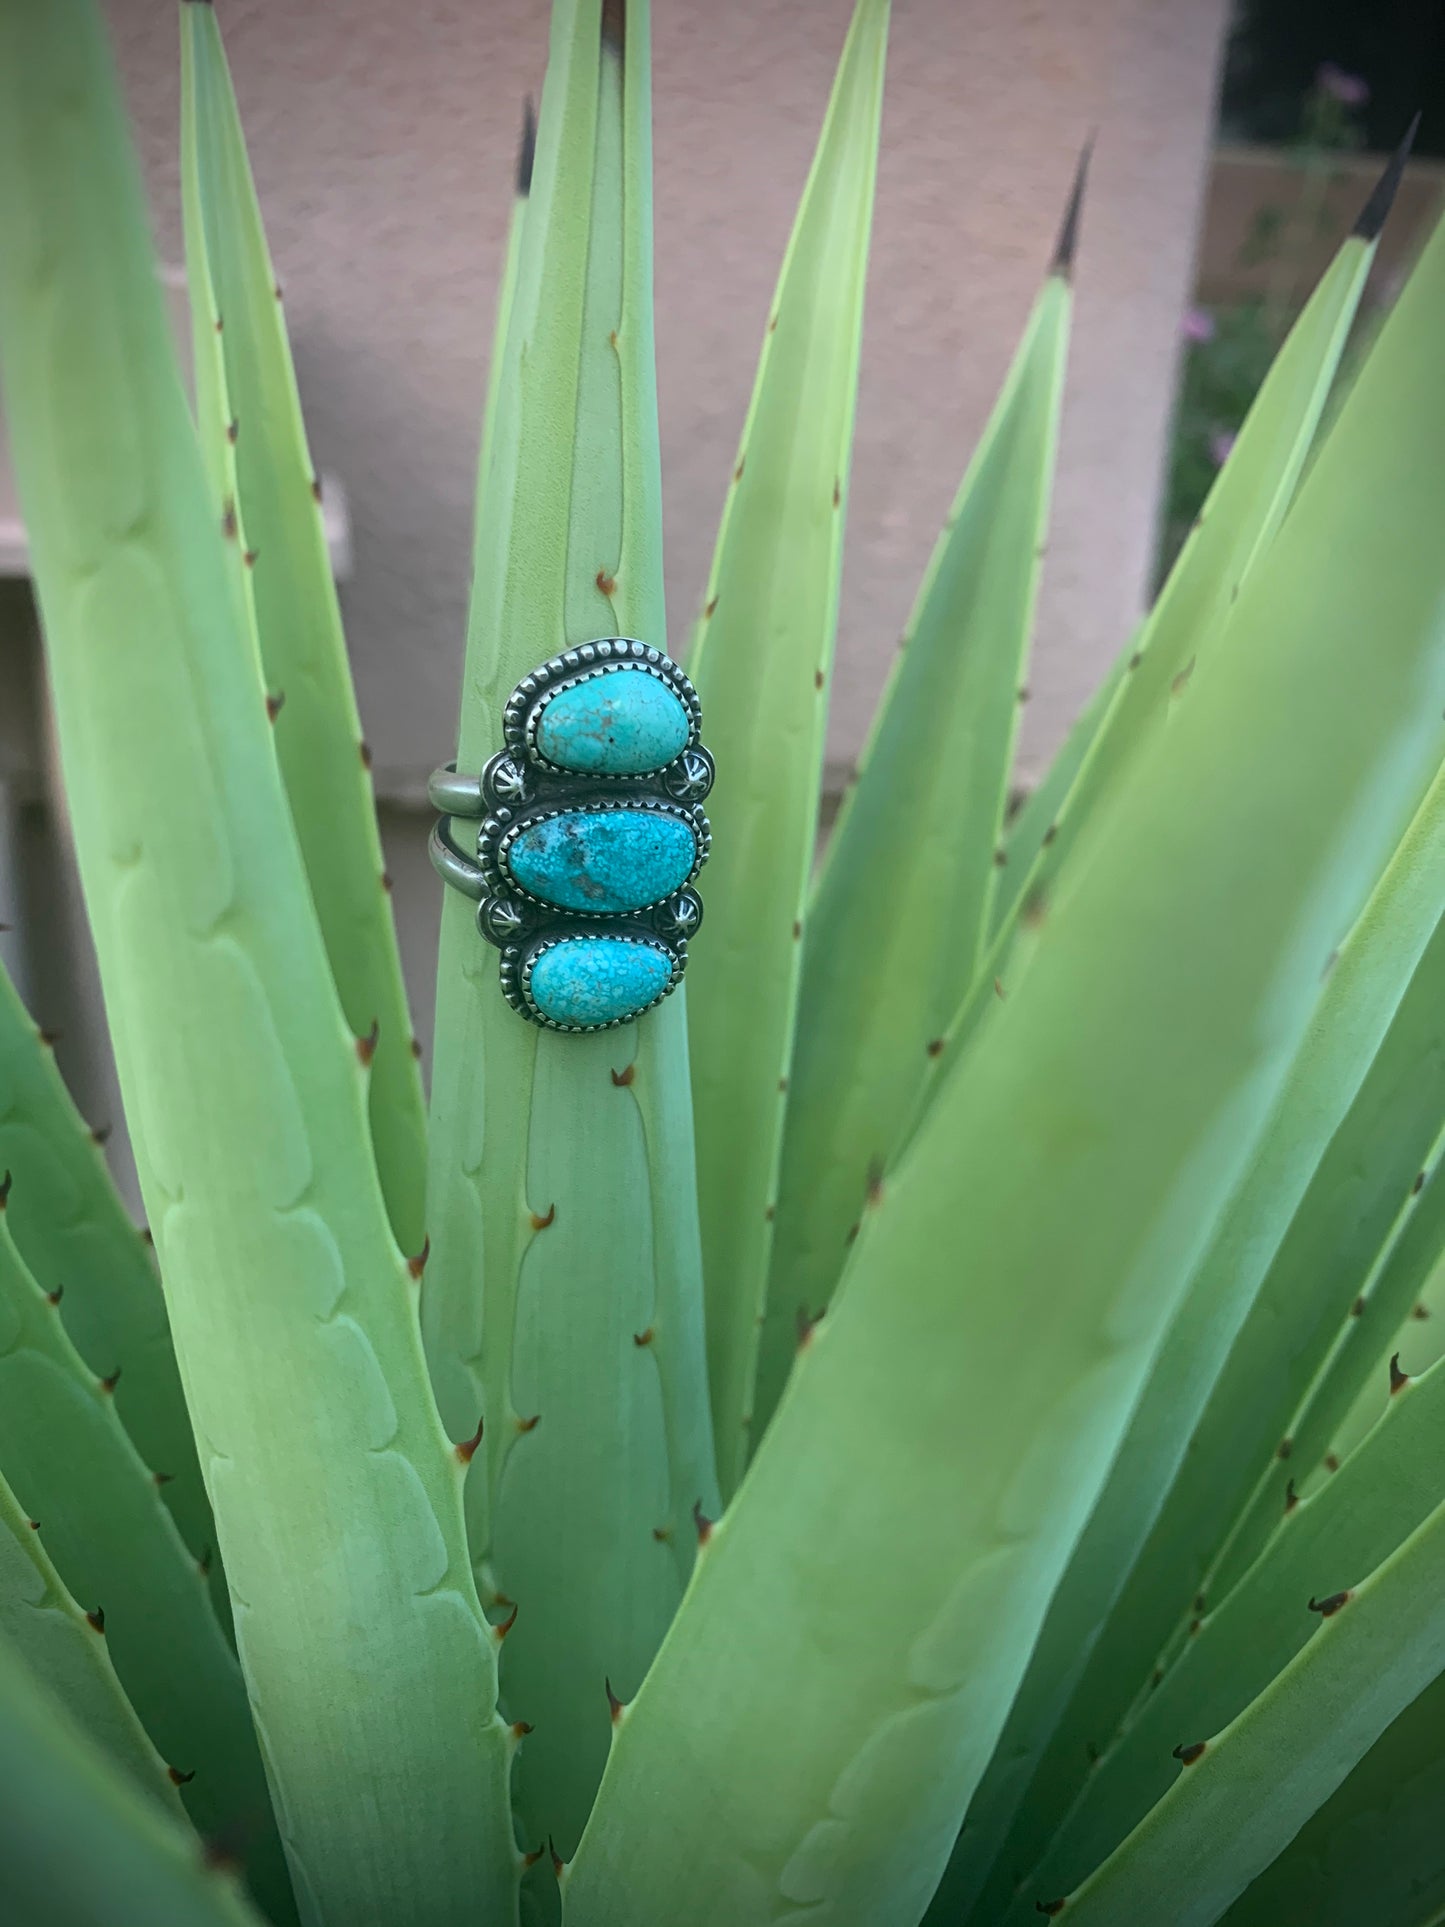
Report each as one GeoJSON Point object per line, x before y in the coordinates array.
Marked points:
{"type": "Point", "coordinates": [519, 787]}
{"type": "Point", "coordinates": [500, 831]}
{"type": "Point", "coordinates": [519, 961]}
{"type": "Point", "coordinates": [589, 660]}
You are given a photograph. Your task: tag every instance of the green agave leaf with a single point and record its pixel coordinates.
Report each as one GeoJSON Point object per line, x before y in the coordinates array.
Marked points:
{"type": "Point", "coordinates": [1372, 1851]}
{"type": "Point", "coordinates": [66, 1455]}
{"type": "Point", "coordinates": [563, 1296]}
{"type": "Point", "coordinates": [761, 661]}
{"type": "Point", "coordinates": [902, 907]}
{"type": "Point", "coordinates": [336, 1493]}
{"type": "Point", "coordinates": [1241, 1801]}
{"type": "Point", "coordinates": [74, 1233]}
{"type": "Point", "coordinates": [1281, 436]}
{"type": "Point", "coordinates": [1037, 813]}
{"type": "Point", "coordinates": [1380, 993]}
{"type": "Point", "coordinates": [62, 1648]}
{"type": "Point", "coordinates": [79, 1841]}
{"type": "Point", "coordinates": [1239, 520]}
{"type": "Point", "coordinates": [1392, 1288]}
{"type": "Point", "coordinates": [1320, 1544]}
{"type": "Point", "coordinates": [949, 1443]}
{"type": "Point", "coordinates": [1360, 1197]}
{"type": "Point", "coordinates": [506, 296]}
{"type": "Point", "coordinates": [1418, 1343]}
{"type": "Point", "coordinates": [256, 448]}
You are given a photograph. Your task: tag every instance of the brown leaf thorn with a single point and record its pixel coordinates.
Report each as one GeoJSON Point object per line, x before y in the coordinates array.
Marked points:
{"type": "Point", "coordinates": [417, 1265]}
{"type": "Point", "coordinates": [1187, 1755]}
{"type": "Point", "coordinates": [366, 1046]}
{"type": "Point", "coordinates": [1397, 1377]}
{"type": "Point", "coordinates": [1330, 1604]}
{"type": "Point", "coordinates": [702, 1522]}
{"type": "Point", "coordinates": [466, 1451]}
{"type": "Point", "coordinates": [808, 1323]}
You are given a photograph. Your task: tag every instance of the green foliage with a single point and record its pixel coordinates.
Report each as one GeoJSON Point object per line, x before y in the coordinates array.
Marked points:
{"type": "Point", "coordinates": [336, 1494]}
{"type": "Point", "coordinates": [251, 433]}
{"type": "Point", "coordinates": [80, 1843]}
{"type": "Point", "coordinates": [1086, 1550]}
{"type": "Point", "coordinates": [562, 1204]}
{"type": "Point", "coordinates": [902, 910]}
{"type": "Point", "coordinates": [762, 659]}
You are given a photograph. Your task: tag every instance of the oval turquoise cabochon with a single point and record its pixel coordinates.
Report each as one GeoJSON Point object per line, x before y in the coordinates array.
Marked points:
{"type": "Point", "coordinates": [604, 863]}
{"type": "Point", "coordinates": [624, 723]}
{"type": "Point", "coordinates": [598, 980]}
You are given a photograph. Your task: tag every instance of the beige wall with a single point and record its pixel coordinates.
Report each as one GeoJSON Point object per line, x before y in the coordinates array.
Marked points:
{"type": "Point", "coordinates": [383, 135]}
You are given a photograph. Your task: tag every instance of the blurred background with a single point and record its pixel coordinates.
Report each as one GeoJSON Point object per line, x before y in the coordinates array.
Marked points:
{"type": "Point", "coordinates": [1234, 147]}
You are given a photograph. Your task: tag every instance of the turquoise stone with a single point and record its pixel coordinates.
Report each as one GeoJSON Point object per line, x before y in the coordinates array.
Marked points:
{"type": "Point", "coordinates": [603, 862]}
{"type": "Point", "coordinates": [625, 723]}
{"type": "Point", "coordinates": [598, 980]}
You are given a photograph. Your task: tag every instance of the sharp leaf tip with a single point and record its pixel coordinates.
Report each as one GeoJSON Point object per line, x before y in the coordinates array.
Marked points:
{"type": "Point", "coordinates": [1374, 213]}
{"type": "Point", "coordinates": [1065, 248]}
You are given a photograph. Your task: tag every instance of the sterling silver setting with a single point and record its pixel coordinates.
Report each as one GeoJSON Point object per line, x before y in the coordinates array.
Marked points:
{"type": "Point", "coordinates": [480, 817]}
{"type": "Point", "coordinates": [527, 705]}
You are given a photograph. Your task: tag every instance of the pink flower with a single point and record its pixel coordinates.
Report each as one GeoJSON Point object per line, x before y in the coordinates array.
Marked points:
{"type": "Point", "coordinates": [1197, 325]}
{"type": "Point", "coordinates": [1350, 90]}
{"type": "Point", "coordinates": [1221, 442]}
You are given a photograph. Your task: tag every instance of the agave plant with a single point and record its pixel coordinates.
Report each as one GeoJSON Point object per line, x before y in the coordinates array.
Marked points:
{"type": "Point", "coordinates": [938, 1417]}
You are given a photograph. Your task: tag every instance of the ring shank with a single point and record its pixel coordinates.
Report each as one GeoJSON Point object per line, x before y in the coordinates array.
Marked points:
{"type": "Point", "coordinates": [453, 795]}
{"type": "Point", "coordinates": [451, 866]}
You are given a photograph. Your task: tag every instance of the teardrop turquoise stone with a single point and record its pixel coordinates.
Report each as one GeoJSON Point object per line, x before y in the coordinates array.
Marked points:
{"type": "Point", "coordinates": [625, 723]}
{"type": "Point", "coordinates": [598, 980]}
{"type": "Point", "coordinates": [604, 862]}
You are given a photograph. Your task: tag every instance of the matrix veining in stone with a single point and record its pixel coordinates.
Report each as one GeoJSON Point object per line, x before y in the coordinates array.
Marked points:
{"type": "Point", "coordinates": [598, 980]}
{"type": "Point", "coordinates": [604, 862]}
{"type": "Point", "coordinates": [625, 723]}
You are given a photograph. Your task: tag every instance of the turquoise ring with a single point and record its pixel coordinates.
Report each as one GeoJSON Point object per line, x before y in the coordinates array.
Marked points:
{"type": "Point", "coordinates": [589, 835]}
